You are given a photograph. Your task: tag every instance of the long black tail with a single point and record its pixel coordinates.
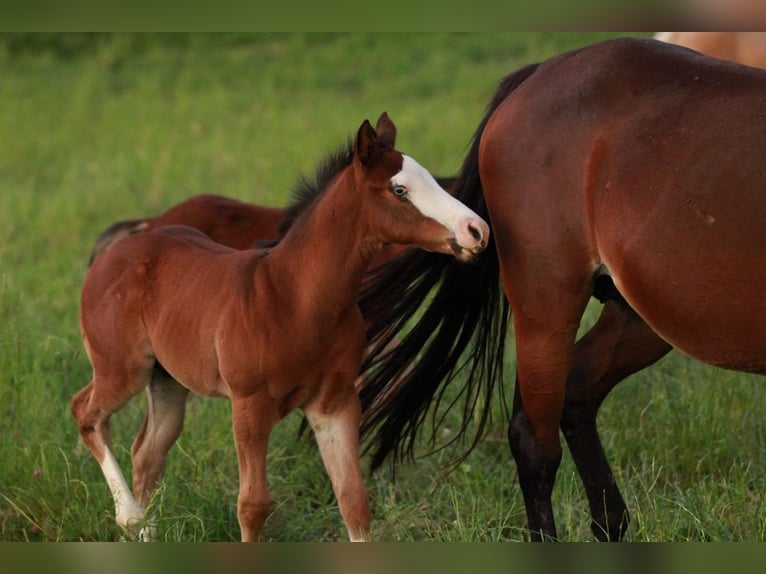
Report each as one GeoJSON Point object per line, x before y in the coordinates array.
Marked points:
{"type": "Point", "coordinates": [404, 384]}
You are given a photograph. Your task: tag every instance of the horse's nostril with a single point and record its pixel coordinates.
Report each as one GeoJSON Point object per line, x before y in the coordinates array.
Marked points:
{"type": "Point", "coordinates": [475, 233]}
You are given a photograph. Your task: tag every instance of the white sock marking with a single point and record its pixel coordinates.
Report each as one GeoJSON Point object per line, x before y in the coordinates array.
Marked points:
{"type": "Point", "coordinates": [127, 510]}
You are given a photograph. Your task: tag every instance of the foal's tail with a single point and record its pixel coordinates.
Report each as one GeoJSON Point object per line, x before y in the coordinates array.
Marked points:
{"type": "Point", "coordinates": [404, 385]}
{"type": "Point", "coordinates": [112, 234]}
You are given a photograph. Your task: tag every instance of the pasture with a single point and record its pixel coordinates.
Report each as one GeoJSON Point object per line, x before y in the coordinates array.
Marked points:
{"type": "Point", "coordinates": [95, 130]}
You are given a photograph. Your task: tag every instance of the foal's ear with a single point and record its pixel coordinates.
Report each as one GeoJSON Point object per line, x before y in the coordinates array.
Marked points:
{"type": "Point", "coordinates": [366, 143]}
{"type": "Point", "coordinates": [386, 131]}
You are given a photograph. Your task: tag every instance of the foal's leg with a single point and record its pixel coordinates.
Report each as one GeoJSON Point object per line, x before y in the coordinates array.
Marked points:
{"type": "Point", "coordinates": [92, 406]}
{"type": "Point", "coordinates": [166, 406]}
{"type": "Point", "coordinates": [253, 417]}
{"type": "Point", "coordinates": [618, 345]}
{"type": "Point", "coordinates": [336, 428]}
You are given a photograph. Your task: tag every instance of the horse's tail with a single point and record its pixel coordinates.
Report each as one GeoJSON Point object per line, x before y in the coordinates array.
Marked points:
{"type": "Point", "coordinates": [112, 234]}
{"type": "Point", "coordinates": [405, 382]}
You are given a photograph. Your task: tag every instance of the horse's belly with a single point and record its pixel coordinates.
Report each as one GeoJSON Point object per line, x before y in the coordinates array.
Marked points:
{"type": "Point", "coordinates": [709, 311]}
{"type": "Point", "coordinates": [685, 243]}
{"type": "Point", "coordinates": [196, 369]}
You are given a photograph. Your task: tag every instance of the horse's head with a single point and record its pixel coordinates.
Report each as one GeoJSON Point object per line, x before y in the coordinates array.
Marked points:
{"type": "Point", "coordinates": [410, 206]}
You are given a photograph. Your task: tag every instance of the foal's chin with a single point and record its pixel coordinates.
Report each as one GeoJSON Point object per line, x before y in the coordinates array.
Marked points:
{"type": "Point", "coordinates": [462, 254]}
{"type": "Point", "coordinates": [466, 255]}
{"type": "Point", "coordinates": [450, 246]}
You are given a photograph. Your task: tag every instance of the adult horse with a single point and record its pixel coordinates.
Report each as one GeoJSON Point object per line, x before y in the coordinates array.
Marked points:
{"type": "Point", "coordinates": [273, 330]}
{"type": "Point", "coordinates": [630, 170]}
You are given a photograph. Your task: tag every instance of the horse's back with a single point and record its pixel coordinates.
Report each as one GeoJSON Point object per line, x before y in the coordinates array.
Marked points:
{"type": "Point", "coordinates": [620, 78]}
{"type": "Point", "coordinates": [150, 263]}
{"type": "Point", "coordinates": [158, 243]}
{"type": "Point", "coordinates": [226, 220]}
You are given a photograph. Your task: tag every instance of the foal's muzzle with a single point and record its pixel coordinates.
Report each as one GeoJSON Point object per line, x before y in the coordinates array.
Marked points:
{"type": "Point", "coordinates": [470, 239]}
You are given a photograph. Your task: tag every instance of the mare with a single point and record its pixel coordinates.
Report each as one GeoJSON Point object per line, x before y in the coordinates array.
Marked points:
{"type": "Point", "coordinates": [173, 312]}
{"type": "Point", "coordinates": [630, 170]}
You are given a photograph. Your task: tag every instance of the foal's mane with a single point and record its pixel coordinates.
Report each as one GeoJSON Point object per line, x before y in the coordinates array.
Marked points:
{"type": "Point", "coordinates": [307, 190]}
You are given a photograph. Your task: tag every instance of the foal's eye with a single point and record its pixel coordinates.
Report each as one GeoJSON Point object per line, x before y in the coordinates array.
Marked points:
{"type": "Point", "coordinates": [399, 190]}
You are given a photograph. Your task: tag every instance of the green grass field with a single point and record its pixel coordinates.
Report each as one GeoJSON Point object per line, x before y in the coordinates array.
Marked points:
{"type": "Point", "coordinates": [93, 130]}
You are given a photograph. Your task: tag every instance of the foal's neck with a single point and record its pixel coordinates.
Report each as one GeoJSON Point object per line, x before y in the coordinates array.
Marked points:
{"type": "Point", "coordinates": [323, 258]}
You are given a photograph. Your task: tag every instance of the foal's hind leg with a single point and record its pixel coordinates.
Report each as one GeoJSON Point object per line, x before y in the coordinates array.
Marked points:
{"type": "Point", "coordinates": [336, 428]}
{"type": "Point", "coordinates": [92, 406]}
{"type": "Point", "coordinates": [618, 345]}
{"type": "Point", "coordinates": [166, 406]}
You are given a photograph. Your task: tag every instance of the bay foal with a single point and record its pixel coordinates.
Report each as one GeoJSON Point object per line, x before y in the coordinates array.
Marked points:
{"type": "Point", "coordinates": [273, 330]}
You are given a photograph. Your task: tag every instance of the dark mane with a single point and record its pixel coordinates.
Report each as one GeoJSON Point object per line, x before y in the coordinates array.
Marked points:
{"type": "Point", "coordinates": [306, 190]}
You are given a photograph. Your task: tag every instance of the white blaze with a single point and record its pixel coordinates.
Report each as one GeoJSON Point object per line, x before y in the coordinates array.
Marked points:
{"type": "Point", "coordinates": [432, 201]}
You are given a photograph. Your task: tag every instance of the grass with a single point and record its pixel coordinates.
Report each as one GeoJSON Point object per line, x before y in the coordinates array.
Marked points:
{"type": "Point", "coordinates": [119, 126]}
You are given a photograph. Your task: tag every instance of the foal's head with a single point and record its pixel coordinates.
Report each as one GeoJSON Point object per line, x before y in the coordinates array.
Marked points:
{"type": "Point", "coordinates": [404, 204]}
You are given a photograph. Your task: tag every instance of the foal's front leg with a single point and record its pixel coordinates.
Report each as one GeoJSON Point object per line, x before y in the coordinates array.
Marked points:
{"type": "Point", "coordinates": [253, 417]}
{"type": "Point", "coordinates": [335, 420]}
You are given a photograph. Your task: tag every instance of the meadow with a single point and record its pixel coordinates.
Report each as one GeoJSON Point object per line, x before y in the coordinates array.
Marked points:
{"type": "Point", "coordinates": [94, 129]}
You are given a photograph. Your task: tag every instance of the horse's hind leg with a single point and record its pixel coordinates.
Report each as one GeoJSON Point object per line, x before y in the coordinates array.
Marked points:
{"type": "Point", "coordinates": [546, 319]}
{"type": "Point", "coordinates": [337, 434]}
{"type": "Point", "coordinates": [92, 406]}
{"type": "Point", "coordinates": [166, 407]}
{"type": "Point", "coordinates": [618, 345]}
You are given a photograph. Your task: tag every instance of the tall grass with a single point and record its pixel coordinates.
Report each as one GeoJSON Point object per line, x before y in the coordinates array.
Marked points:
{"type": "Point", "coordinates": [99, 128]}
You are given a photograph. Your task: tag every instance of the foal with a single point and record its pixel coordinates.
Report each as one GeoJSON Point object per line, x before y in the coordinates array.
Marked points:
{"type": "Point", "coordinates": [273, 330]}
